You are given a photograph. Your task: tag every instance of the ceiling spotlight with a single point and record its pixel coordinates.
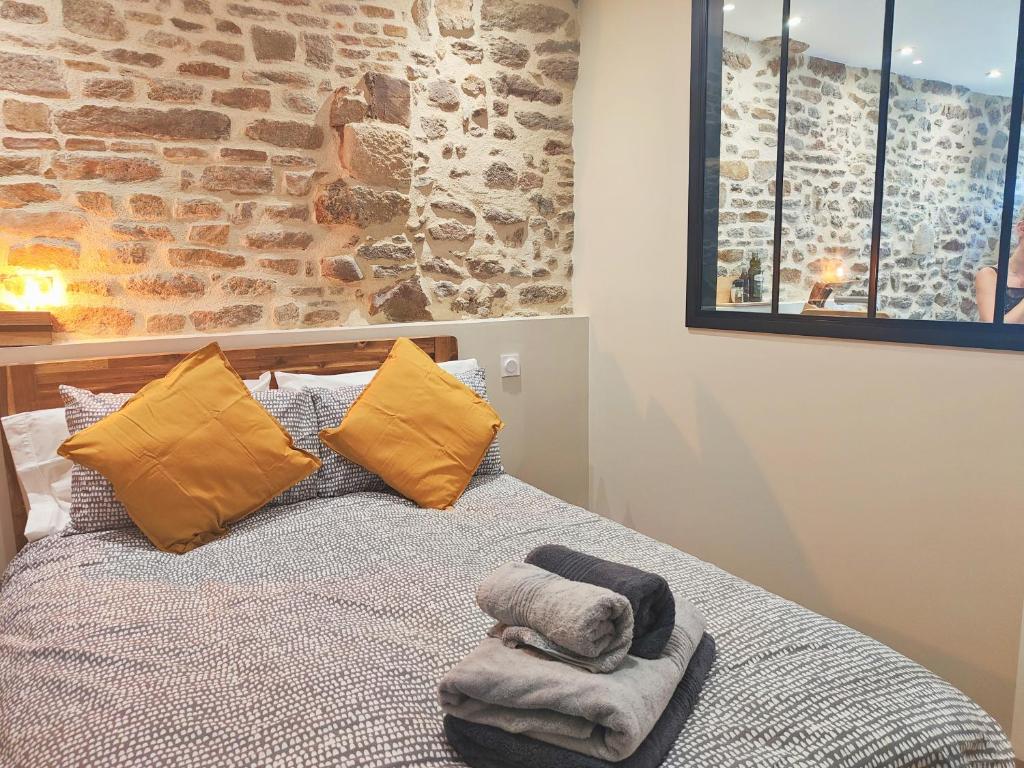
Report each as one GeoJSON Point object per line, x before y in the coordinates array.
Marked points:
{"type": "Point", "coordinates": [729, 7]}
{"type": "Point", "coordinates": [918, 61]}
{"type": "Point", "coordinates": [994, 73]}
{"type": "Point", "coordinates": [794, 21]}
{"type": "Point", "coordinates": [906, 50]}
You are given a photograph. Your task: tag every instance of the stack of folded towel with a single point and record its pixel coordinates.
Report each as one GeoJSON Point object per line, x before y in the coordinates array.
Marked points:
{"type": "Point", "coordinates": [591, 664]}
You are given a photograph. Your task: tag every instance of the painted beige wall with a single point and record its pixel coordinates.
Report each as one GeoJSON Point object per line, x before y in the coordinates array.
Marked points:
{"type": "Point", "coordinates": [545, 440]}
{"type": "Point", "coordinates": [878, 484]}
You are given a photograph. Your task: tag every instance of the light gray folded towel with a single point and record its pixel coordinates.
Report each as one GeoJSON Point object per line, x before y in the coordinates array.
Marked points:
{"type": "Point", "coordinates": [604, 716]}
{"type": "Point", "coordinates": [581, 624]}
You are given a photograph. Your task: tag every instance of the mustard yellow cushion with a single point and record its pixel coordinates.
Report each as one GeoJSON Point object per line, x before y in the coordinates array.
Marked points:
{"type": "Point", "coordinates": [418, 427]}
{"type": "Point", "coordinates": [191, 453]}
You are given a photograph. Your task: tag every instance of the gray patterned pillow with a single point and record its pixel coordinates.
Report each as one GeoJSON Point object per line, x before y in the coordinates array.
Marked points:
{"type": "Point", "coordinates": [94, 506]}
{"type": "Point", "coordinates": [339, 476]}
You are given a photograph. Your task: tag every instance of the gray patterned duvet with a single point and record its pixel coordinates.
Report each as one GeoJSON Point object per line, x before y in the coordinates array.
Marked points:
{"type": "Point", "coordinates": [315, 634]}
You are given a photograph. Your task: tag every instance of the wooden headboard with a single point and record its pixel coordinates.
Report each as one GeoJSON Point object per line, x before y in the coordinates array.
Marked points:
{"type": "Point", "coordinates": [34, 386]}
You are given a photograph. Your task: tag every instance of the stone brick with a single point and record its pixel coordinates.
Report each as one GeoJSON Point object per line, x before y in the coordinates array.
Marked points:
{"type": "Point", "coordinates": [454, 17]}
{"type": "Point", "coordinates": [43, 253]}
{"type": "Point", "coordinates": [304, 105]}
{"type": "Point", "coordinates": [91, 287]}
{"type": "Point", "coordinates": [123, 256]}
{"type": "Point", "coordinates": [204, 69]}
{"type": "Point", "coordinates": [539, 121]}
{"type": "Point", "coordinates": [273, 44]}
{"type": "Point", "coordinates": [198, 208]}
{"type": "Point", "coordinates": [236, 316]}
{"type": "Point", "coordinates": [286, 315]}
{"type": "Point", "coordinates": [283, 266]}
{"type": "Point", "coordinates": [236, 285]}
{"type": "Point", "coordinates": [243, 155]}
{"type": "Point", "coordinates": [469, 52]}
{"type": "Point", "coordinates": [186, 154]}
{"type": "Point", "coordinates": [118, 170]}
{"type": "Point", "coordinates": [404, 302]}
{"type": "Point", "coordinates": [176, 91]}
{"type": "Point", "coordinates": [147, 206]}
{"type": "Point", "coordinates": [344, 268]}
{"type": "Point", "coordinates": [197, 6]}
{"type": "Point", "coordinates": [94, 18]}
{"type": "Point", "coordinates": [549, 47]}
{"type": "Point", "coordinates": [209, 234]}
{"type": "Point", "coordinates": [736, 170]}
{"type": "Point", "coordinates": [165, 324]}
{"type": "Point", "coordinates": [96, 203]}
{"type": "Point", "coordinates": [339, 203]}
{"type": "Point", "coordinates": [377, 12]}
{"type": "Point", "coordinates": [279, 241]}
{"type": "Point", "coordinates": [319, 50]}
{"type": "Point", "coordinates": [32, 75]}
{"type": "Point", "coordinates": [26, 115]}
{"type": "Point", "coordinates": [133, 58]}
{"type": "Point", "coordinates": [176, 285]}
{"type": "Point", "coordinates": [185, 25]}
{"type": "Point", "coordinates": [22, 142]}
{"type": "Point", "coordinates": [85, 145]}
{"type": "Point", "coordinates": [514, 85]}
{"type": "Point", "coordinates": [501, 175]}
{"type": "Point", "coordinates": [562, 69]}
{"type": "Point", "coordinates": [168, 40]}
{"type": "Point", "coordinates": [554, 147]}
{"type": "Point", "coordinates": [539, 293]}
{"type": "Point", "coordinates": [509, 53]}
{"type": "Point", "coordinates": [133, 231]}
{"type": "Point", "coordinates": [15, 165]}
{"type": "Point", "coordinates": [94, 321]}
{"type": "Point", "coordinates": [377, 155]}
{"type": "Point", "coordinates": [119, 89]}
{"type": "Point", "coordinates": [298, 212]}
{"type": "Point", "coordinates": [25, 13]}
{"type": "Point", "coordinates": [228, 27]}
{"type": "Point", "coordinates": [321, 317]}
{"type": "Point", "coordinates": [239, 179]}
{"type": "Point", "coordinates": [443, 95]}
{"type": "Point", "coordinates": [142, 122]}
{"type": "Point", "coordinates": [298, 184]}
{"type": "Point", "coordinates": [502, 217]}
{"type": "Point", "coordinates": [451, 230]}
{"type": "Point", "coordinates": [286, 133]}
{"type": "Point", "coordinates": [20, 195]}
{"type": "Point", "coordinates": [513, 16]}
{"type": "Point", "coordinates": [223, 50]}
{"type": "Point", "coordinates": [388, 99]}
{"type": "Point", "coordinates": [243, 98]}
{"type": "Point", "coordinates": [203, 257]}
{"type": "Point", "coordinates": [398, 249]}
{"type": "Point", "coordinates": [346, 109]}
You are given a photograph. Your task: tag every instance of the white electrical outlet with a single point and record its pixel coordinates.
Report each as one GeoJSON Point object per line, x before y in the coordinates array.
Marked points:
{"type": "Point", "coordinates": [510, 366]}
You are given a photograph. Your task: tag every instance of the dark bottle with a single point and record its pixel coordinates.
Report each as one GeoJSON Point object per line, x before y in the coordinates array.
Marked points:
{"type": "Point", "coordinates": [755, 279]}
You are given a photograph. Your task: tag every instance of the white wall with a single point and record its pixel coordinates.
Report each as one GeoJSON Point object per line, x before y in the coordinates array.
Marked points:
{"type": "Point", "coordinates": [878, 484]}
{"type": "Point", "coordinates": [545, 438]}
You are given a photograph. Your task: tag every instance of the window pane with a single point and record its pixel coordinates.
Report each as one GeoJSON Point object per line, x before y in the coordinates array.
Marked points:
{"type": "Point", "coordinates": [949, 122]}
{"type": "Point", "coordinates": [831, 151]}
{"type": "Point", "coordinates": [742, 256]}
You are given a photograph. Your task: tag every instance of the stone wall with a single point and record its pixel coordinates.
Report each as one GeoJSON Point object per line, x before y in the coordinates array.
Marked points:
{"type": "Point", "coordinates": [206, 165]}
{"type": "Point", "coordinates": [944, 179]}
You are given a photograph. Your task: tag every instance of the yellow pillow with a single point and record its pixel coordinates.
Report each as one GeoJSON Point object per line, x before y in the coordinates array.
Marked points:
{"type": "Point", "coordinates": [417, 427]}
{"type": "Point", "coordinates": [191, 453]}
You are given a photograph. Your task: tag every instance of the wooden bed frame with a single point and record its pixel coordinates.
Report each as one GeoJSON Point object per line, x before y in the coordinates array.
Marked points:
{"type": "Point", "coordinates": [34, 386]}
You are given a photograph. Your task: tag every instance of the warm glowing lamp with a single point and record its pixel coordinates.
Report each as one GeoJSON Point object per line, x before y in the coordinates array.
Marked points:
{"type": "Point", "coordinates": [25, 301]}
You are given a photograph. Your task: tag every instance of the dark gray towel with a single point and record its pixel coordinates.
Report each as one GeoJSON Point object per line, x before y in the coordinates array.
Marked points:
{"type": "Point", "coordinates": [483, 746]}
{"type": "Point", "coordinates": [654, 608]}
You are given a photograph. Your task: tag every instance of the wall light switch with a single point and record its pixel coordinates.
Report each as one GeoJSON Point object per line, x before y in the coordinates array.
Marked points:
{"type": "Point", "coordinates": [510, 366]}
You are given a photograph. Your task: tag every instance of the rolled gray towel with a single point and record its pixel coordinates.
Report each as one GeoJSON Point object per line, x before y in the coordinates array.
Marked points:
{"type": "Point", "coordinates": [581, 624]}
{"type": "Point", "coordinates": [604, 716]}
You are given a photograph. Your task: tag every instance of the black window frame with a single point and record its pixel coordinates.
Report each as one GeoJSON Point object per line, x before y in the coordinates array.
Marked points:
{"type": "Point", "coordinates": [705, 139]}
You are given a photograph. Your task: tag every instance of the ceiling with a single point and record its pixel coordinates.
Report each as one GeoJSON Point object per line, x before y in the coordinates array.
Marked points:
{"type": "Point", "coordinates": [958, 41]}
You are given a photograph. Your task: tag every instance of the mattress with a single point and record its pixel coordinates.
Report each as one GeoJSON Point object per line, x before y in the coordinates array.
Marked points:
{"type": "Point", "coordinates": [315, 635]}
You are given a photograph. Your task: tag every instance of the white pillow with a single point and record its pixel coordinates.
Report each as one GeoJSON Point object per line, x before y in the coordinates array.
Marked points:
{"type": "Point", "coordinates": [287, 380]}
{"type": "Point", "coordinates": [45, 477]}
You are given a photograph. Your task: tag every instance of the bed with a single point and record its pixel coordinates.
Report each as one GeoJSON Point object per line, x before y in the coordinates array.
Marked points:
{"type": "Point", "coordinates": [315, 634]}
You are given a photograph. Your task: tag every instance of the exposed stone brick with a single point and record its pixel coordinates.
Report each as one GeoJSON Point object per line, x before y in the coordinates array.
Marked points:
{"type": "Point", "coordinates": [203, 257]}
{"type": "Point", "coordinates": [286, 315]}
{"type": "Point", "coordinates": [514, 16]}
{"type": "Point", "coordinates": [32, 75]}
{"type": "Point", "coordinates": [319, 50]}
{"type": "Point", "coordinates": [296, 102]}
{"type": "Point", "coordinates": [273, 44]}
{"type": "Point", "coordinates": [243, 98]}
{"type": "Point", "coordinates": [186, 154]}
{"type": "Point", "coordinates": [279, 241]}
{"type": "Point", "coordinates": [118, 170]}
{"type": "Point", "coordinates": [398, 249]}
{"type": "Point", "coordinates": [562, 69]}
{"type": "Point", "coordinates": [147, 206]}
{"type": "Point", "coordinates": [243, 155]}
{"type": "Point", "coordinates": [94, 321]}
{"type": "Point", "coordinates": [509, 53]}
{"type": "Point", "coordinates": [120, 89]}
{"type": "Point", "coordinates": [26, 115]}
{"type": "Point", "coordinates": [296, 213]}
{"type": "Point", "coordinates": [19, 195]}
{"type": "Point", "coordinates": [346, 108]}
{"type": "Point", "coordinates": [539, 293]}
{"type": "Point", "coordinates": [20, 142]}
{"type": "Point", "coordinates": [469, 52]}
{"type": "Point", "coordinates": [228, 27]}
{"type": "Point", "coordinates": [451, 230]}
{"type": "Point", "coordinates": [514, 85]}
{"type": "Point", "coordinates": [204, 69]}
{"type": "Point", "coordinates": [223, 50]}
{"type": "Point", "coordinates": [25, 13]}
{"type": "Point", "coordinates": [176, 285]}
{"type": "Point", "coordinates": [237, 285]}
{"type": "Point", "coordinates": [94, 18]}
{"type": "Point", "coordinates": [404, 302]}
{"type": "Point", "coordinates": [241, 180]}
{"type": "Point", "coordinates": [235, 316]}
{"type": "Point", "coordinates": [132, 231]}
{"type": "Point", "coordinates": [541, 121]}
{"type": "Point", "coordinates": [43, 253]}
{"type": "Point", "coordinates": [454, 17]}
{"type": "Point", "coordinates": [133, 58]}
{"type": "Point", "coordinates": [134, 122]}
{"type": "Point", "coordinates": [443, 95]}
{"type": "Point", "coordinates": [283, 266]}
{"type": "Point", "coordinates": [209, 234]}
{"type": "Point", "coordinates": [343, 268]}
{"type": "Point", "coordinates": [338, 203]}
{"type": "Point", "coordinates": [97, 203]}
{"type": "Point", "coordinates": [377, 12]}
{"type": "Point", "coordinates": [124, 256]}
{"type": "Point", "coordinates": [198, 208]}
{"type": "Point", "coordinates": [185, 25]}
{"type": "Point", "coordinates": [377, 155]}
{"type": "Point", "coordinates": [388, 98]}
{"type": "Point", "coordinates": [286, 133]}
{"type": "Point", "coordinates": [165, 324]}
{"type": "Point", "coordinates": [176, 91]}
{"type": "Point", "coordinates": [85, 145]}
{"type": "Point", "coordinates": [161, 39]}
{"type": "Point", "coordinates": [501, 175]}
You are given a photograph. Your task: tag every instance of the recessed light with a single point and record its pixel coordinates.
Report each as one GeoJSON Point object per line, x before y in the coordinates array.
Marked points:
{"type": "Point", "coordinates": [729, 7]}
{"type": "Point", "coordinates": [906, 50]}
{"type": "Point", "coordinates": [794, 21]}
{"type": "Point", "coordinates": [918, 61]}
{"type": "Point", "coordinates": [994, 73]}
